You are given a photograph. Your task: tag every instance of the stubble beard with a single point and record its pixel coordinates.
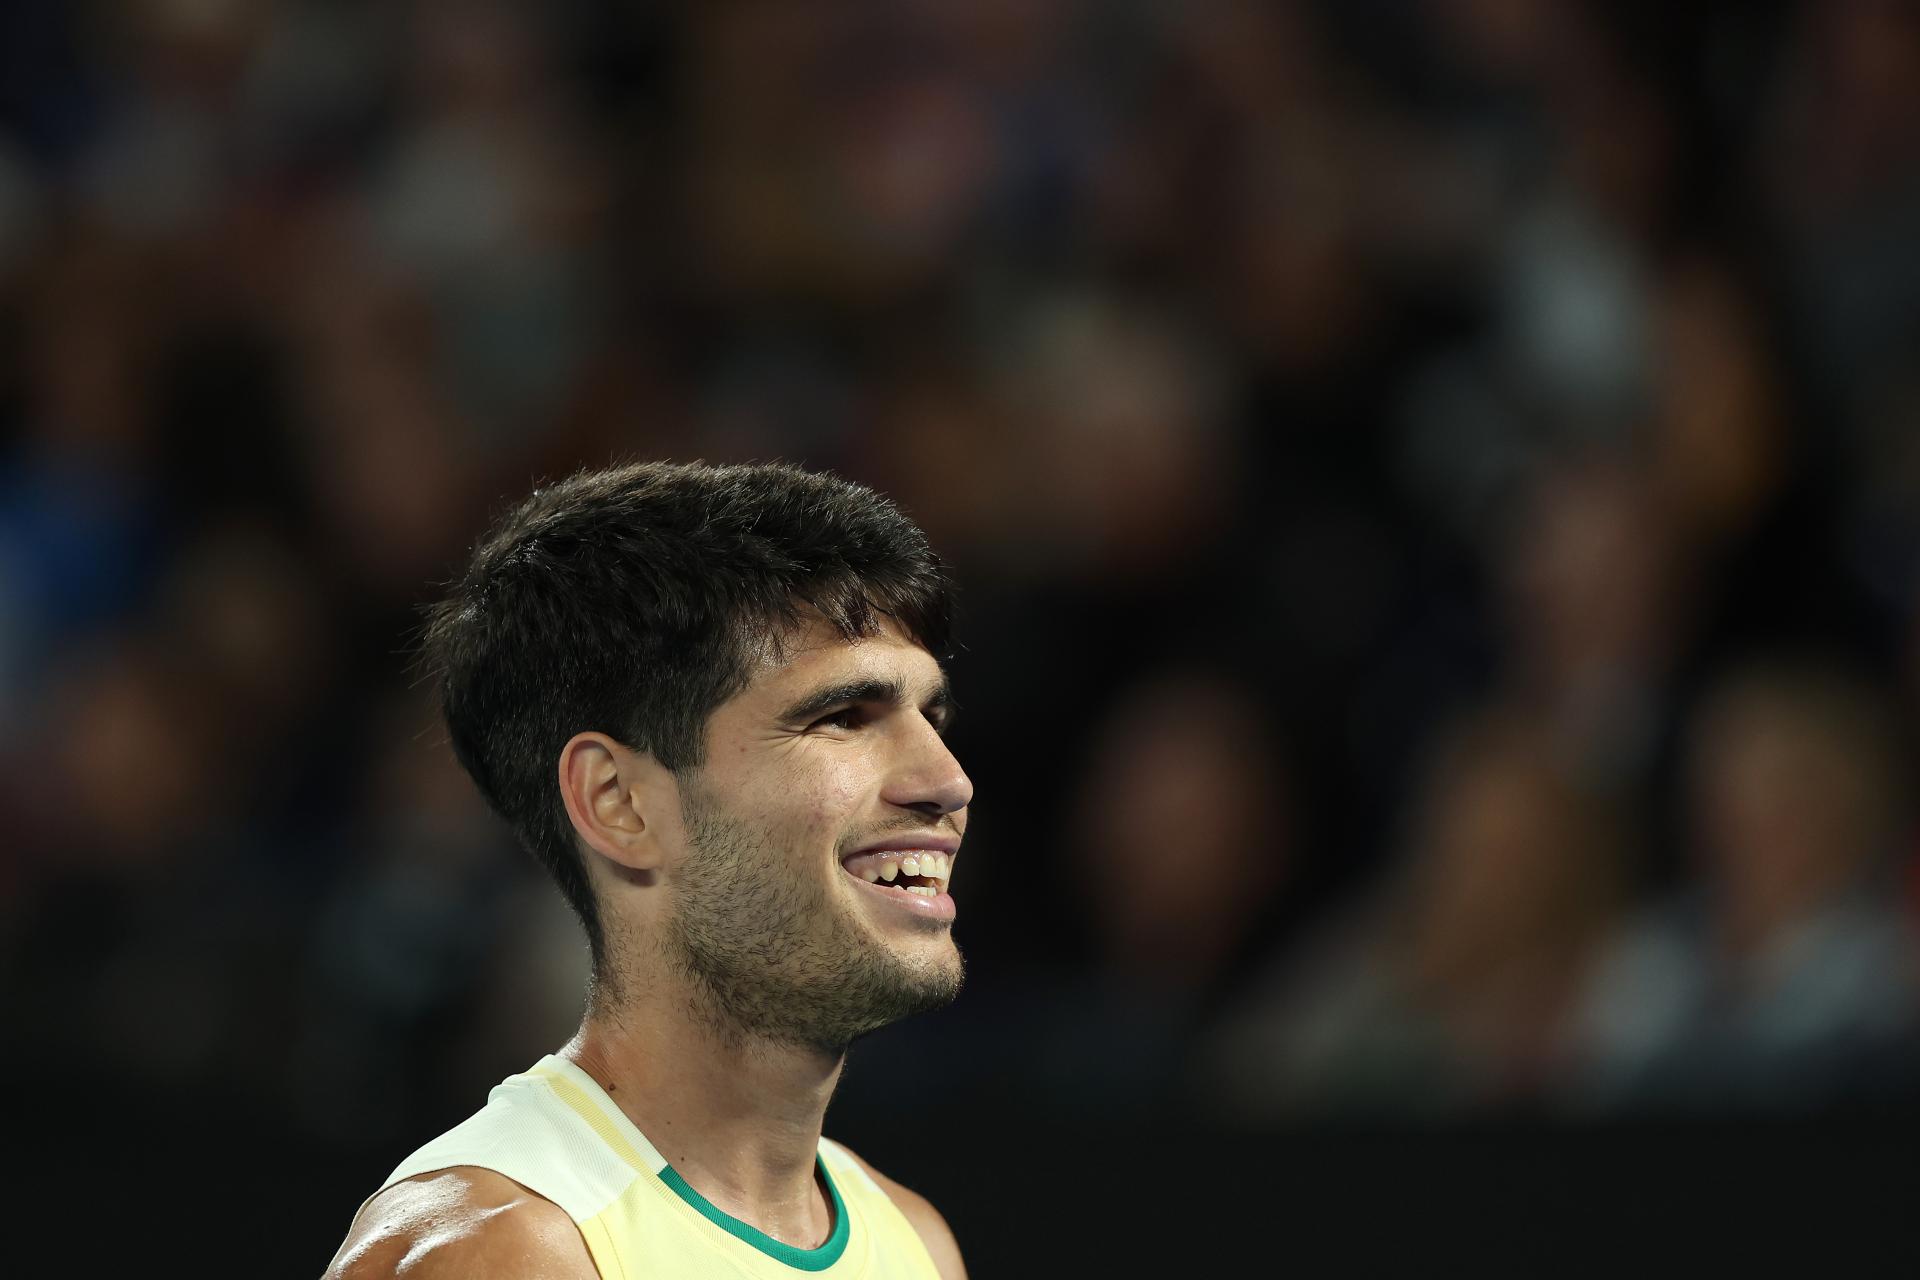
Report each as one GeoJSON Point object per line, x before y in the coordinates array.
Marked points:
{"type": "Point", "coordinates": [770, 955]}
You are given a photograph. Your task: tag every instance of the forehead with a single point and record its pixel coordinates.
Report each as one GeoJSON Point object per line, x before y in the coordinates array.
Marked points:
{"type": "Point", "coordinates": [817, 654]}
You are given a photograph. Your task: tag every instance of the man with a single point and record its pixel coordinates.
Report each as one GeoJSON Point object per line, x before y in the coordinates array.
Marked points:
{"type": "Point", "coordinates": [707, 699]}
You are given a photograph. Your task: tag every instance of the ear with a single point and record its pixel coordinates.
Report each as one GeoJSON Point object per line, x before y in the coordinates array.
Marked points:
{"type": "Point", "coordinates": [616, 798]}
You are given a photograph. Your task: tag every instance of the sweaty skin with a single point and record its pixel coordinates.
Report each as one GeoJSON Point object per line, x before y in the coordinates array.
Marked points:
{"type": "Point", "coordinates": [745, 954]}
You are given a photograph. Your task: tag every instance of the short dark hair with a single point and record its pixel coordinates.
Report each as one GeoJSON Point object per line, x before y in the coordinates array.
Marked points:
{"type": "Point", "coordinates": [634, 601]}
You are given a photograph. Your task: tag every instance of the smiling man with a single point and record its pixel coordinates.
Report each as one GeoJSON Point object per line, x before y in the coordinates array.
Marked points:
{"type": "Point", "coordinates": [707, 699]}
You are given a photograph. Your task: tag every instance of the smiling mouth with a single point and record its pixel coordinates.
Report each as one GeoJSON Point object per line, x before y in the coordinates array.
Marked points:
{"type": "Point", "coordinates": [922, 872]}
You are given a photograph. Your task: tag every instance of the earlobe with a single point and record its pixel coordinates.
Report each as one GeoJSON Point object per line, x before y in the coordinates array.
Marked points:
{"type": "Point", "coordinates": [605, 802]}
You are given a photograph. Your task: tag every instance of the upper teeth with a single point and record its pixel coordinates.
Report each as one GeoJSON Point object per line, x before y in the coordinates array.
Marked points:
{"type": "Point", "coordinates": [890, 865]}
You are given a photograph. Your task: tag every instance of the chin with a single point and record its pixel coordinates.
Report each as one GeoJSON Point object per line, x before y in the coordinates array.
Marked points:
{"type": "Point", "coordinates": [926, 958]}
{"type": "Point", "coordinates": [924, 976]}
{"type": "Point", "coordinates": [880, 1000]}
{"type": "Point", "coordinates": [939, 976]}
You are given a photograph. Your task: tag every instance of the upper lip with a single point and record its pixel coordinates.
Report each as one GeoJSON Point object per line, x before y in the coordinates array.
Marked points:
{"type": "Point", "coordinates": [939, 844]}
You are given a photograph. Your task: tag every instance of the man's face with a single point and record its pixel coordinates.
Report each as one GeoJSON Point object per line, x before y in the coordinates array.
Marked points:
{"type": "Point", "coordinates": [826, 784]}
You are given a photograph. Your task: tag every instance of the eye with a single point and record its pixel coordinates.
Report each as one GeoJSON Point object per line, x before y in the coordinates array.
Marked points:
{"type": "Point", "coordinates": [845, 718]}
{"type": "Point", "coordinates": [940, 715]}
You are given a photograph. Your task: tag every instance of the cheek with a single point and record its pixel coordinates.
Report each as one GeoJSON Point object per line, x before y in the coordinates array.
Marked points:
{"type": "Point", "coordinates": [816, 799]}
{"type": "Point", "coordinates": [836, 796]}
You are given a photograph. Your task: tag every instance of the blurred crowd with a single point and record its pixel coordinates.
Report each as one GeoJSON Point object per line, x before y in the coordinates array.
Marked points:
{"type": "Point", "coordinates": [1435, 487]}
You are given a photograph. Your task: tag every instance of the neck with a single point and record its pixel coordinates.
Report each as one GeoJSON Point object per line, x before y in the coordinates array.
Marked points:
{"type": "Point", "coordinates": [738, 1117]}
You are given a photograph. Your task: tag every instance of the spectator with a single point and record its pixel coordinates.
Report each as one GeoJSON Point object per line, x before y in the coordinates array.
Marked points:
{"type": "Point", "coordinates": [1451, 988]}
{"type": "Point", "coordinates": [1785, 974]}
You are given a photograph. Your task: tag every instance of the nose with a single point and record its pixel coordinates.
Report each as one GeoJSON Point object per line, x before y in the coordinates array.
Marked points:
{"type": "Point", "coordinates": [926, 776]}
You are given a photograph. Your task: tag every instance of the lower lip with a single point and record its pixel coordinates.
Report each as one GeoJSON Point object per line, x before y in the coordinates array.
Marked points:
{"type": "Point", "coordinates": [937, 907]}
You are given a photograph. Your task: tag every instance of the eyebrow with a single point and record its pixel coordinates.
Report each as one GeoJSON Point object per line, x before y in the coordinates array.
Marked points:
{"type": "Point", "coordinates": [868, 689]}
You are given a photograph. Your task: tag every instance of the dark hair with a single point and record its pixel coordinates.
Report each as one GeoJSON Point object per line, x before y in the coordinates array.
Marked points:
{"type": "Point", "coordinates": [634, 601]}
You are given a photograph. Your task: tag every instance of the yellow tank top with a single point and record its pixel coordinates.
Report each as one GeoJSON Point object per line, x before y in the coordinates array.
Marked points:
{"type": "Point", "coordinates": [557, 1133]}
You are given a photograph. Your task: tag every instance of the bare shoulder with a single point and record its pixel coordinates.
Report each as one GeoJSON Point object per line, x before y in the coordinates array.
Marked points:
{"type": "Point", "coordinates": [933, 1229]}
{"type": "Point", "coordinates": [462, 1222]}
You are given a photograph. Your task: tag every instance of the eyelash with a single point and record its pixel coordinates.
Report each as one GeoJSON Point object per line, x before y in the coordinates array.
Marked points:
{"type": "Point", "coordinates": [854, 717]}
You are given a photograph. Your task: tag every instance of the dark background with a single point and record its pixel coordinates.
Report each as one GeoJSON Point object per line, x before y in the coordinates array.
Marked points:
{"type": "Point", "coordinates": [1433, 486]}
